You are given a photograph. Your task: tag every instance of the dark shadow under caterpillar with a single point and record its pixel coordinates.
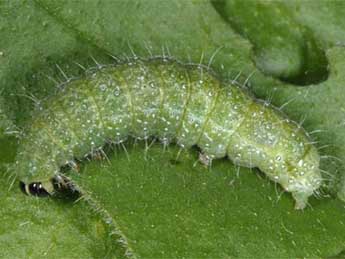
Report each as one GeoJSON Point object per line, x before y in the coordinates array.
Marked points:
{"type": "Point", "coordinates": [181, 103]}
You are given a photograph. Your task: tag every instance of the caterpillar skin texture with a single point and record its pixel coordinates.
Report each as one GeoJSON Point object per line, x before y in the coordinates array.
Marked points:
{"type": "Point", "coordinates": [182, 103]}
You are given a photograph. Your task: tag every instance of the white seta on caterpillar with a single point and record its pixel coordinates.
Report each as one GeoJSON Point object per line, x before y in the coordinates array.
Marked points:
{"type": "Point", "coordinates": [181, 103]}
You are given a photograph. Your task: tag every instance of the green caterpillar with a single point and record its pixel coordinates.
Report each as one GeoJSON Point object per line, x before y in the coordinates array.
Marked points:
{"type": "Point", "coordinates": [182, 103]}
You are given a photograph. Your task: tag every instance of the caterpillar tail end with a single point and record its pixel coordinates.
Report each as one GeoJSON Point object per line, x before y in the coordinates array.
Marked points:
{"type": "Point", "coordinates": [301, 200]}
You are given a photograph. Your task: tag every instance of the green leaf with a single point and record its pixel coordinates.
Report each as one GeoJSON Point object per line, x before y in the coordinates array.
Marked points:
{"type": "Point", "coordinates": [166, 207]}
{"type": "Point", "coordinates": [283, 47]}
{"type": "Point", "coordinates": [173, 209]}
{"type": "Point", "coordinates": [6, 125]}
{"type": "Point", "coordinates": [54, 228]}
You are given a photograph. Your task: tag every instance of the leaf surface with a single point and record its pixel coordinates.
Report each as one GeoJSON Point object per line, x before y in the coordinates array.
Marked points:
{"type": "Point", "coordinates": [164, 207]}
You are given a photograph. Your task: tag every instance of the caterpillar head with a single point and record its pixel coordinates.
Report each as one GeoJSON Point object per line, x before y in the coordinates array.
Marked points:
{"type": "Point", "coordinates": [34, 185]}
{"type": "Point", "coordinates": [38, 189]}
{"type": "Point", "coordinates": [43, 188]}
{"type": "Point", "coordinates": [38, 177]}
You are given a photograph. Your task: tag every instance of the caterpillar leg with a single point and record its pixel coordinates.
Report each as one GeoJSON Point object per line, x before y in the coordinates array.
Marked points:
{"type": "Point", "coordinates": [204, 159]}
